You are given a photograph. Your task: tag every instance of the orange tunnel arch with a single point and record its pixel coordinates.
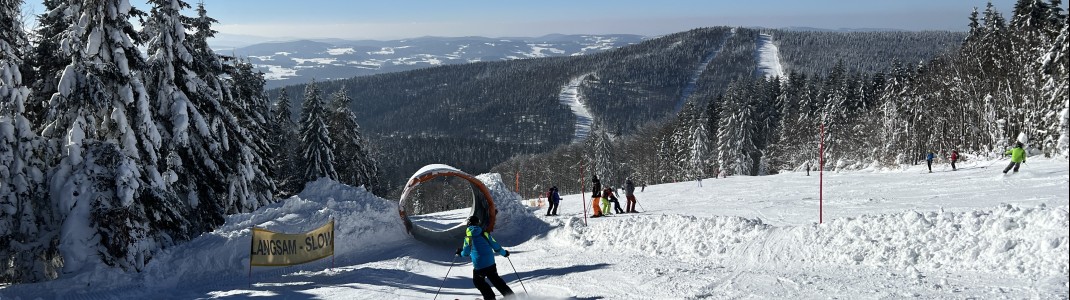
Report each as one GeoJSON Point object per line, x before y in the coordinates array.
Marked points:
{"type": "Point", "coordinates": [482, 206]}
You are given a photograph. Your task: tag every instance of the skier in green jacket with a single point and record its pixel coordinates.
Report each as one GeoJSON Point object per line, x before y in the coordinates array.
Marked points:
{"type": "Point", "coordinates": [1017, 158]}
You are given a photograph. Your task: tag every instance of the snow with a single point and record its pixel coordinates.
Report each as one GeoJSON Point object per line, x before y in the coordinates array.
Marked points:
{"type": "Point", "coordinates": [570, 96]}
{"type": "Point", "coordinates": [537, 50]}
{"type": "Point", "coordinates": [386, 50]}
{"type": "Point", "coordinates": [907, 233]}
{"type": "Point", "coordinates": [769, 57]}
{"type": "Point", "coordinates": [419, 59]}
{"type": "Point", "coordinates": [340, 51]}
{"type": "Point", "coordinates": [321, 61]}
{"type": "Point", "coordinates": [278, 72]}
{"type": "Point", "coordinates": [599, 44]}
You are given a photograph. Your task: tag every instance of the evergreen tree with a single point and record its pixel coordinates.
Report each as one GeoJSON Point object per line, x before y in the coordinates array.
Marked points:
{"type": "Point", "coordinates": [47, 59]}
{"type": "Point", "coordinates": [681, 142]}
{"type": "Point", "coordinates": [735, 140]}
{"type": "Point", "coordinates": [1056, 88]}
{"type": "Point", "coordinates": [283, 145]}
{"type": "Point", "coordinates": [602, 158]}
{"type": "Point", "coordinates": [246, 151]}
{"type": "Point", "coordinates": [102, 115]}
{"type": "Point", "coordinates": [355, 164]}
{"type": "Point", "coordinates": [180, 94]}
{"type": "Point", "coordinates": [317, 147]}
{"type": "Point", "coordinates": [699, 150]}
{"type": "Point", "coordinates": [22, 195]}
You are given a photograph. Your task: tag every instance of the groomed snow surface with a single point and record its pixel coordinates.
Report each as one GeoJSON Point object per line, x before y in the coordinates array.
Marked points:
{"type": "Point", "coordinates": [971, 233]}
{"type": "Point", "coordinates": [769, 57]}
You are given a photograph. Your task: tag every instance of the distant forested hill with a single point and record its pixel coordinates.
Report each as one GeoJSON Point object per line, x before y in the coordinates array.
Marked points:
{"type": "Point", "coordinates": [817, 52]}
{"type": "Point", "coordinates": [504, 108]}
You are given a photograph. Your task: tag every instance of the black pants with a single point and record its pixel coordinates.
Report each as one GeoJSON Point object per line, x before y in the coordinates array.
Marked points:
{"type": "Point", "coordinates": [953, 164]}
{"type": "Point", "coordinates": [930, 165]}
{"type": "Point", "coordinates": [479, 277]}
{"type": "Point", "coordinates": [552, 210]}
{"type": "Point", "coordinates": [1014, 165]}
{"type": "Point", "coordinates": [616, 206]}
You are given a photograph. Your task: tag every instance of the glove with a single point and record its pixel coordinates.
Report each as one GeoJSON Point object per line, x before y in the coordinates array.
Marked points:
{"type": "Point", "coordinates": [458, 253]}
{"type": "Point", "coordinates": [504, 253]}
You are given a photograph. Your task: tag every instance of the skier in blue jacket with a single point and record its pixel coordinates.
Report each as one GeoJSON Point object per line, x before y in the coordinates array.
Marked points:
{"type": "Point", "coordinates": [481, 247]}
{"type": "Point", "coordinates": [929, 159]}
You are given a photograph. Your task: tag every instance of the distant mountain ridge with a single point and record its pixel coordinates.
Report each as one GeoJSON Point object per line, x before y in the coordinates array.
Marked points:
{"type": "Point", "coordinates": [296, 62]}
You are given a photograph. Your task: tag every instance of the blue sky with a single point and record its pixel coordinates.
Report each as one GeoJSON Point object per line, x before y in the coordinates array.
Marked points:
{"type": "Point", "coordinates": [397, 19]}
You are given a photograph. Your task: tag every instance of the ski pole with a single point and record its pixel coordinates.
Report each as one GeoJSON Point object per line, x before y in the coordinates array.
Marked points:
{"type": "Point", "coordinates": [517, 274]}
{"type": "Point", "coordinates": [447, 275]}
{"type": "Point", "coordinates": [640, 205]}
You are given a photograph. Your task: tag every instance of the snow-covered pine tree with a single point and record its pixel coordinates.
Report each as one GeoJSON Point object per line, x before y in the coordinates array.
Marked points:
{"type": "Point", "coordinates": [836, 113]}
{"type": "Point", "coordinates": [735, 139]}
{"type": "Point", "coordinates": [894, 129]}
{"type": "Point", "coordinates": [174, 82]}
{"type": "Point", "coordinates": [699, 150]}
{"type": "Point", "coordinates": [102, 117]}
{"type": "Point", "coordinates": [788, 151]}
{"type": "Point", "coordinates": [678, 151]}
{"type": "Point", "coordinates": [317, 147]}
{"type": "Point", "coordinates": [1057, 86]}
{"type": "Point", "coordinates": [283, 146]}
{"type": "Point", "coordinates": [599, 155]}
{"type": "Point", "coordinates": [1030, 35]}
{"type": "Point", "coordinates": [355, 164]}
{"type": "Point", "coordinates": [23, 255]}
{"type": "Point", "coordinates": [247, 151]}
{"type": "Point", "coordinates": [48, 61]}
{"type": "Point", "coordinates": [712, 115]}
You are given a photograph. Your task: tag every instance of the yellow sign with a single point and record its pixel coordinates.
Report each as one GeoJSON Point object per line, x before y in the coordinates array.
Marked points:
{"type": "Point", "coordinates": [280, 249]}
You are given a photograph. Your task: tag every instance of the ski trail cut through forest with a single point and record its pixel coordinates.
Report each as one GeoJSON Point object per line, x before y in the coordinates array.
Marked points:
{"type": "Point", "coordinates": [701, 68]}
{"type": "Point", "coordinates": [570, 95]}
{"type": "Point", "coordinates": [769, 57]}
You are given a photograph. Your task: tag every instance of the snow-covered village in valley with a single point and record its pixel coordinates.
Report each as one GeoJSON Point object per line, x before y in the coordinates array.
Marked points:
{"type": "Point", "coordinates": [171, 149]}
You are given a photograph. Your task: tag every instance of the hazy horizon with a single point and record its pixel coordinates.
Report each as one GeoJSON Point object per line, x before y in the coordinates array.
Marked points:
{"type": "Point", "coordinates": [246, 22]}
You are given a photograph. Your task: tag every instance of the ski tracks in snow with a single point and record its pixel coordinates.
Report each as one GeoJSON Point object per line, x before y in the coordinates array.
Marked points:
{"type": "Point", "coordinates": [570, 96]}
{"type": "Point", "coordinates": [769, 57]}
{"type": "Point", "coordinates": [699, 69]}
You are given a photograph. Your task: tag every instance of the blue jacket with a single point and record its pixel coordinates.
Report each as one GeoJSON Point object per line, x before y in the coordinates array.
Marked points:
{"type": "Point", "coordinates": [930, 156]}
{"type": "Point", "coordinates": [555, 197]}
{"type": "Point", "coordinates": [481, 247]}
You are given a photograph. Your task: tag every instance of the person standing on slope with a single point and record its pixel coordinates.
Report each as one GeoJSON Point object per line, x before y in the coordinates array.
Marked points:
{"type": "Point", "coordinates": [929, 160]}
{"type": "Point", "coordinates": [954, 158]}
{"type": "Point", "coordinates": [481, 247]}
{"type": "Point", "coordinates": [608, 196]}
{"type": "Point", "coordinates": [554, 199]}
{"type": "Point", "coordinates": [596, 196]}
{"type": "Point", "coordinates": [629, 192]}
{"type": "Point", "coordinates": [1017, 158]}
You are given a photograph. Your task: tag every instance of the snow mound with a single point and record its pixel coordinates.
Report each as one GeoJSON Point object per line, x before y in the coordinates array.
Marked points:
{"type": "Point", "coordinates": [1024, 241]}
{"type": "Point", "coordinates": [364, 223]}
